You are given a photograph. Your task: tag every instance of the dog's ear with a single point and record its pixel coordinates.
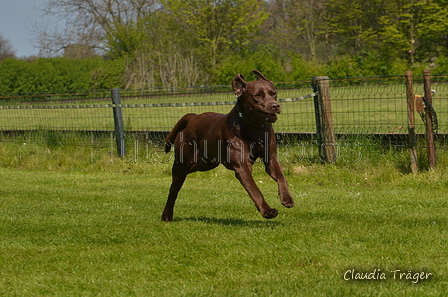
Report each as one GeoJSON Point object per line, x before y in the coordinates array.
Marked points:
{"type": "Point", "coordinates": [259, 75]}
{"type": "Point", "coordinates": [239, 85]}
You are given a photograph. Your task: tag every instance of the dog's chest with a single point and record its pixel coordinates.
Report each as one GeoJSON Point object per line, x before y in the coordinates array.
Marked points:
{"type": "Point", "coordinates": [258, 144]}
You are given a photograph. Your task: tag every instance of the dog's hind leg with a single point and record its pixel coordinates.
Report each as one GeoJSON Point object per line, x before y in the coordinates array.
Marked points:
{"type": "Point", "coordinates": [177, 182]}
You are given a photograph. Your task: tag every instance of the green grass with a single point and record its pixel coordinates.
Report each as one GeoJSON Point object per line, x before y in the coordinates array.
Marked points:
{"type": "Point", "coordinates": [73, 227]}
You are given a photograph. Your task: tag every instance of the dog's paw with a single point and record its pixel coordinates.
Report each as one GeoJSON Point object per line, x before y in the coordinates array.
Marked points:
{"type": "Point", "coordinates": [288, 202]}
{"type": "Point", "coordinates": [167, 217]}
{"type": "Point", "coordinates": [270, 214]}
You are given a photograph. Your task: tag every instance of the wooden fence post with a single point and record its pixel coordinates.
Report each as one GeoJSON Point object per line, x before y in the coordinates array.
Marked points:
{"type": "Point", "coordinates": [432, 159]}
{"type": "Point", "coordinates": [411, 121]}
{"type": "Point", "coordinates": [324, 119]}
{"type": "Point", "coordinates": [118, 121]}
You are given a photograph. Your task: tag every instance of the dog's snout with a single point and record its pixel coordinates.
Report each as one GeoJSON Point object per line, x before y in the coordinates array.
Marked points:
{"type": "Point", "coordinates": [275, 107]}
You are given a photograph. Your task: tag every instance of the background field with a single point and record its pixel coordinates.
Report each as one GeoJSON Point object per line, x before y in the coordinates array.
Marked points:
{"type": "Point", "coordinates": [72, 227]}
{"type": "Point", "coordinates": [376, 107]}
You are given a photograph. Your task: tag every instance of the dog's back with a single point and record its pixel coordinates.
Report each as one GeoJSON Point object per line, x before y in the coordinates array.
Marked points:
{"type": "Point", "coordinates": [201, 124]}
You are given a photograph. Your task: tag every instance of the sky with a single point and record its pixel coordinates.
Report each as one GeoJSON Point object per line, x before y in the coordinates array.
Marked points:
{"type": "Point", "coordinates": [16, 21]}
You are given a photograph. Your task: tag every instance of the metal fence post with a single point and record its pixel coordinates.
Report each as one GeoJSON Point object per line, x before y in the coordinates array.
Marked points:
{"type": "Point", "coordinates": [324, 119]}
{"type": "Point", "coordinates": [411, 121]}
{"type": "Point", "coordinates": [432, 159]}
{"type": "Point", "coordinates": [118, 121]}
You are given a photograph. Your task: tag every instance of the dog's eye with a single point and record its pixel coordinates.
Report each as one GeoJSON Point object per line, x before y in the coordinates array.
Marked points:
{"type": "Point", "coordinates": [257, 97]}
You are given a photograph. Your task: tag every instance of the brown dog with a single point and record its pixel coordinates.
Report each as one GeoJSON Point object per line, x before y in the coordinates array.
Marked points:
{"type": "Point", "coordinates": [236, 140]}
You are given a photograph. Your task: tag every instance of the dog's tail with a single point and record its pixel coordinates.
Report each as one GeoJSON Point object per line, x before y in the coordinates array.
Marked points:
{"type": "Point", "coordinates": [181, 124]}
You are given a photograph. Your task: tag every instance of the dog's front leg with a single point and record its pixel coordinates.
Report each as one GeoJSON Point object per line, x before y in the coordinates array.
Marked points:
{"type": "Point", "coordinates": [274, 169]}
{"type": "Point", "coordinates": [244, 175]}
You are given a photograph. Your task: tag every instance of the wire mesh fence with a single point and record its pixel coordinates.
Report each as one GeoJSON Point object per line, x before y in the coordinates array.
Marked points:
{"type": "Point", "coordinates": [378, 105]}
{"type": "Point", "coordinates": [366, 111]}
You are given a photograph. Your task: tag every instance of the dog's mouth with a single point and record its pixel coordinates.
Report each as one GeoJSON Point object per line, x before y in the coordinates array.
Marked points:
{"type": "Point", "coordinates": [269, 117]}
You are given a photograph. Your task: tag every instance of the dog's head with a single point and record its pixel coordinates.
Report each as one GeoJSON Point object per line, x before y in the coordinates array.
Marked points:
{"type": "Point", "coordinates": [258, 98]}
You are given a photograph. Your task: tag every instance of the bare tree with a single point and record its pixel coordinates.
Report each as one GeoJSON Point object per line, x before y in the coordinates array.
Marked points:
{"type": "Point", "coordinates": [178, 70]}
{"type": "Point", "coordinates": [6, 49]}
{"type": "Point", "coordinates": [88, 23]}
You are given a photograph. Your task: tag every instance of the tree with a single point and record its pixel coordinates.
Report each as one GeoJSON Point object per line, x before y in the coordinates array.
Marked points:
{"type": "Point", "coordinates": [163, 54]}
{"type": "Point", "coordinates": [98, 24]}
{"type": "Point", "coordinates": [434, 29]}
{"type": "Point", "coordinates": [387, 29]}
{"type": "Point", "coordinates": [410, 17]}
{"type": "Point", "coordinates": [6, 49]}
{"type": "Point", "coordinates": [218, 26]}
{"type": "Point", "coordinates": [148, 40]}
{"type": "Point", "coordinates": [300, 21]}
{"type": "Point", "coordinates": [348, 23]}
{"type": "Point", "coordinates": [415, 30]}
{"type": "Point", "coordinates": [178, 43]}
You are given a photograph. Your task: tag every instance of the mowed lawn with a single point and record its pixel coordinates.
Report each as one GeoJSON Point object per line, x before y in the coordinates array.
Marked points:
{"type": "Point", "coordinates": [81, 233]}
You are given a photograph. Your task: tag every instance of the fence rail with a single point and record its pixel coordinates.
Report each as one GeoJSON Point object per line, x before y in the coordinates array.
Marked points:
{"type": "Point", "coordinates": [320, 111]}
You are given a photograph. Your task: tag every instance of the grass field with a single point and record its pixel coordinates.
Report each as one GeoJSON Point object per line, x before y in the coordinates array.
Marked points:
{"type": "Point", "coordinates": [70, 227]}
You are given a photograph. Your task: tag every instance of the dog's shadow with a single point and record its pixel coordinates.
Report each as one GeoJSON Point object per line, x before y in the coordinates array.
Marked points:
{"type": "Point", "coordinates": [232, 222]}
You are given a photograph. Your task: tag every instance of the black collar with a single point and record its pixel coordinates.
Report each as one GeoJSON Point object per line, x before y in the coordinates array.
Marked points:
{"type": "Point", "coordinates": [242, 115]}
